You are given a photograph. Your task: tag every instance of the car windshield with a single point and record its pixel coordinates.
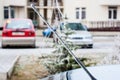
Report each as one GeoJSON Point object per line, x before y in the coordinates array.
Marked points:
{"type": "Point", "coordinates": [75, 26]}
{"type": "Point", "coordinates": [18, 24]}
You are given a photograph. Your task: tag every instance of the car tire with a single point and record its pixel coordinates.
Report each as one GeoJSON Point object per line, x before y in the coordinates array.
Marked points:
{"type": "Point", "coordinates": [34, 46]}
{"type": "Point", "coordinates": [51, 35]}
{"type": "Point", "coordinates": [90, 46]}
{"type": "Point", "coordinates": [3, 46]}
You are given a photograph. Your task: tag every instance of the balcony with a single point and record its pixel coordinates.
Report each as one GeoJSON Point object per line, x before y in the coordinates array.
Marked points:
{"type": "Point", "coordinates": [103, 25]}
{"type": "Point", "coordinates": [49, 3]}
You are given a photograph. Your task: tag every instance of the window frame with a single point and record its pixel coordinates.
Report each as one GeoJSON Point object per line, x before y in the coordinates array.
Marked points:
{"type": "Point", "coordinates": [12, 12]}
{"type": "Point", "coordinates": [112, 12]}
{"type": "Point", "coordinates": [80, 13]}
{"type": "Point", "coordinates": [83, 13]}
{"type": "Point", "coordinates": [77, 13]}
{"type": "Point", "coordinates": [9, 12]}
{"type": "Point", "coordinates": [6, 12]}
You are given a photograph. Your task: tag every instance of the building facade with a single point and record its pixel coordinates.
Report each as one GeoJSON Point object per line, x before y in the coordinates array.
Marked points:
{"type": "Point", "coordinates": [1, 13]}
{"type": "Point", "coordinates": [22, 9]}
{"type": "Point", "coordinates": [93, 13]}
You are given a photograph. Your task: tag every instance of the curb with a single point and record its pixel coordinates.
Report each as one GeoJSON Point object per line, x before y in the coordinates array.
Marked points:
{"type": "Point", "coordinates": [7, 69]}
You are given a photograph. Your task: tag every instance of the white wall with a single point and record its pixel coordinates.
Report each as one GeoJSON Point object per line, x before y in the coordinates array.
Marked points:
{"type": "Point", "coordinates": [69, 8]}
{"type": "Point", "coordinates": [95, 10]}
{"type": "Point", "coordinates": [20, 13]}
{"type": "Point", "coordinates": [110, 2]}
{"type": "Point", "coordinates": [118, 15]}
{"type": "Point", "coordinates": [15, 2]}
{"type": "Point", "coordinates": [1, 13]}
{"type": "Point", "coordinates": [98, 12]}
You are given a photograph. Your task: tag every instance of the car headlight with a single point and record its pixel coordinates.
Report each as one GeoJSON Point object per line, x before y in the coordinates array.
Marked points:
{"type": "Point", "coordinates": [69, 38]}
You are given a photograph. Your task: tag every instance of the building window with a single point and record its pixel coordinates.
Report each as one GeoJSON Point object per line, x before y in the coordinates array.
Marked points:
{"type": "Point", "coordinates": [112, 12]}
{"type": "Point", "coordinates": [83, 13]}
{"type": "Point", "coordinates": [45, 2]}
{"type": "Point", "coordinates": [80, 13]}
{"type": "Point", "coordinates": [9, 12]}
{"type": "Point", "coordinates": [59, 0]}
{"type": "Point", "coordinates": [77, 13]}
{"type": "Point", "coordinates": [32, 15]}
{"type": "Point", "coordinates": [12, 12]}
{"type": "Point", "coordinates": [6, 13]}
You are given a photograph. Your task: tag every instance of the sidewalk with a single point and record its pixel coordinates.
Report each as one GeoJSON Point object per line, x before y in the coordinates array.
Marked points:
{"type": "Point", "coordinates": [7, 63]}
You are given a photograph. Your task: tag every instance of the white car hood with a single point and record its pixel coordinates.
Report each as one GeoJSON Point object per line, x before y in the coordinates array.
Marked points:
{"type": "Point", "coordinates": [110, 72]}
{"type": "Point", "coordinates": [80, 34]}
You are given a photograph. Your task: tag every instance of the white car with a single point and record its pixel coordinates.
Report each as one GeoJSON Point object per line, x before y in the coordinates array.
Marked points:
{"type": "Point", "coordinates": [80, 36]}
{"type": "Point", "coordinates": [108, 72]}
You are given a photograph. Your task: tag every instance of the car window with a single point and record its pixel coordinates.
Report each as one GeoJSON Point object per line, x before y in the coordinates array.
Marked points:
{"type": "Point", "coordinates": [18, 24]}
{"type": "Point", "coordinates": [75, 26]}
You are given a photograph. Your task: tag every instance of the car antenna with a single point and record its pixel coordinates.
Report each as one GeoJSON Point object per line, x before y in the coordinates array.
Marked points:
{"type": "Point", "coordinates": [63, 43]}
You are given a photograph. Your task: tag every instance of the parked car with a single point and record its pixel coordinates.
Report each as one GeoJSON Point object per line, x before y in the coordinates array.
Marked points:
{"type": "Point", "coordinates": [108, 72]}
{"type": "Point", "coordinates": [81, 36]}
{"type": "Point", "coordinates": [18, 32]}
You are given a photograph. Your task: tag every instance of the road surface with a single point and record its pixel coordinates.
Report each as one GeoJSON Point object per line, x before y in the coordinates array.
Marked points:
{"type": "Point", "coordinates": [44, 46]}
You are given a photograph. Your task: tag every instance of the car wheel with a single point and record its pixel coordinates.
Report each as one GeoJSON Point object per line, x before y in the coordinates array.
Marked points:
{"type": "Point", "coordinates": [3, 46]}
{"type": "Point", "coordinates": [34, 46]}
{"type": "Point", "coordinates": [90, 46]}
{"type": "Point", "coordinates": [51, 35]}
